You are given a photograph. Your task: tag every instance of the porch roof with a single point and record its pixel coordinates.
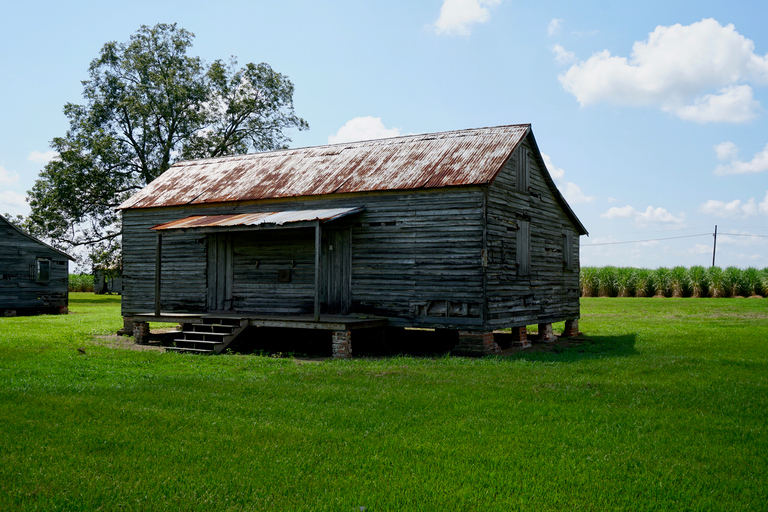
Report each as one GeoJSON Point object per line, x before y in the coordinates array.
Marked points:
{"type": "Point", "coordinates": [259, 219]}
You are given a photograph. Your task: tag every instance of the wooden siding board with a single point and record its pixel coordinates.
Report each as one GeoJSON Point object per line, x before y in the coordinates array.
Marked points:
{"type": "Point", "coordinates": [18, 288]}
{"type": "Point", "coordinates": [407, 249]}
{"type": "Point", "coordinates": [547, 294]}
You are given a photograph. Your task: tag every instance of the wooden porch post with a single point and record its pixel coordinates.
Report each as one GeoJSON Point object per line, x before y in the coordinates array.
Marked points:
{"type": "Point", "coordinates": [158, 267]}
{"type": "Point", "coordinates": [318, 250]}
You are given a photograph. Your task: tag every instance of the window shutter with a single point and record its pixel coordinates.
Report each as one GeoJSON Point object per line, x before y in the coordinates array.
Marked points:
{"type": "Point", "coordinates": [524, 247]}
{"type": "Point", "coordinates": [567, 249]}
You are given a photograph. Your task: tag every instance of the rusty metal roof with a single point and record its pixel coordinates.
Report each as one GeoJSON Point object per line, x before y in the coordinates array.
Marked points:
{"type": "Point", "coordinates": [465, 157]}
{"type": "Point", "coordinates": [258, 219]}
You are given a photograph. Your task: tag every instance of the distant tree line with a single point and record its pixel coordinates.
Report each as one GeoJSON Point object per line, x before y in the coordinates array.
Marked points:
{"type": "Point", "coordinates": [696, 281]}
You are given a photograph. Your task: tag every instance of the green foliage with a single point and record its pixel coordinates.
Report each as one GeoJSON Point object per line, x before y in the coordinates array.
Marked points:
{"type": "Point", "coordinates": [697, 281]}
{"type": "Point", "coordinates": [625, 281]}
{"type": "Point", "coordinates": [751, 281]}
{"type": "Point", "coordinates": [676, 282]}
{"type": "Point", "coordinates": [81, 282]}
{"type": "Point", "coordinates": [716, 282]}
{"type": "Point", "coordinates": [606, 282]}
{"type": "Point", "coordinates": [588, 281]}
{"type": "Point", "coordinates": [147, 103]}
{"type": "Point", "coordinates": [662, 408]}
{"type": "Point", "coordinates": [660, 281]}
{"type": "Point", "coordinates": [642, 282]}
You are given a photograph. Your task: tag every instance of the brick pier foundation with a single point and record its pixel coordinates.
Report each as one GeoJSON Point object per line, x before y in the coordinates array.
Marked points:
{"type": "Point", "coordinates": [476, 343]}
{"type": "Point", "coordinates": [342, 344]}
{"type": "Point", "coordinates": [546, 335]}
{"type": "Point", "coordinates": [520, 337]}
{"type": "Point", "coordinates": [571, 328]}
{"type": "Point", "coordinates": [141, 332]}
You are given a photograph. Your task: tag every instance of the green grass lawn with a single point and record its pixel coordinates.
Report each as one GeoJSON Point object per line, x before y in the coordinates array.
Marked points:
{"type": "Point", "coordinates": [665, 408]}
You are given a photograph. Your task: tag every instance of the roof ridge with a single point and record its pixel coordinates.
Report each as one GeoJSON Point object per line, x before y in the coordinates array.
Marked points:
{"type": "Point", "coordinates": [386, 140]}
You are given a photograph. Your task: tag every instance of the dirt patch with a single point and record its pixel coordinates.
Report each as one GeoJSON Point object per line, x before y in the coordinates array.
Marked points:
{"type": "Point", "coordinates": [156, 339]}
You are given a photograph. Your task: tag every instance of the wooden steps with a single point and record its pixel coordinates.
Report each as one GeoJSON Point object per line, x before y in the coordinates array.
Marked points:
{"type": "Point", "coordinates": [211, 336]}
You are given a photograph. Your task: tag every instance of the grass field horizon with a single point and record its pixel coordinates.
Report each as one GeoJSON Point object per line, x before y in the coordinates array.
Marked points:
{"type": "Point", "coordinates": [664, 407]}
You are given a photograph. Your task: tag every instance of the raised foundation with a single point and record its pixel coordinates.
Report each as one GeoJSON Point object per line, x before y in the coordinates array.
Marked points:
{"type": "Point", "coordinates": [141, 332]}
{"type": "Point", "coordinates": [342, 344]}
{"type": "Point", "coordinates": [476, 343]}
{"type": "Point", "coordinates": [571, 328]}
{"type": "Point", "coordinates": [127, 329]}
{"type": "Point", "coordinates": [520, 337]}
{"type": "Point", "coordinates": [546, 335]}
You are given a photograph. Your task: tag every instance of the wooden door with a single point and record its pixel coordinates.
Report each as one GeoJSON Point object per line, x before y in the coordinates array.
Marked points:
{"type": "Point", "coordinates": [220, 272]}
{"type": "Point", "coordinates": [336, 277]}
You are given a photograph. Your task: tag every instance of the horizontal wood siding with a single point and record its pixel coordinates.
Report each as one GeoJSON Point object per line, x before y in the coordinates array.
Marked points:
{"type": "Point", "coordinates": [416, 258]}
{"type": "Point", "coordinates": [18, 285]}
{"type": "Point", "coordinates": [549, 293]}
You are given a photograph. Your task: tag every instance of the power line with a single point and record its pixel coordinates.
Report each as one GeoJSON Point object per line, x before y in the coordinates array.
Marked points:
{"type": "Point", "coordinates": [649, 240]}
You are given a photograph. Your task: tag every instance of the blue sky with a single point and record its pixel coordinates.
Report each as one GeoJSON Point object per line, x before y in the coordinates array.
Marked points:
{"type": "Point", "coordinates": [653, 116]}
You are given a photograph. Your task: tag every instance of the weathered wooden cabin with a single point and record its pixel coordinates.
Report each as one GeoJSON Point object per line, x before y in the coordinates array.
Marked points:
{"type": "Point", "coordinates": [34, 277]}
{"type": "Point", "coordinates": [461, 230]}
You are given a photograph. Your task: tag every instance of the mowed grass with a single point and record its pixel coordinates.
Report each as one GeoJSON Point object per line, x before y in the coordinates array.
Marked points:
{"type": "Point", "coordinates": [665, 408]}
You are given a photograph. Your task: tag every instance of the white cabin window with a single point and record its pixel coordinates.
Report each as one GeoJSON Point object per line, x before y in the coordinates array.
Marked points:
{"type": "Point", "coordinates": [523, 247]}
{"type": "Point", "coordinates": [43, 270]}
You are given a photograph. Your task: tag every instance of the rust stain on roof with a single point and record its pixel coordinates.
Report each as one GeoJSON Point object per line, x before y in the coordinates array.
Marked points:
{"type": "Point", "coordinates": [465, 157]}
{"type": "Point", "coordinates": [258, 219]}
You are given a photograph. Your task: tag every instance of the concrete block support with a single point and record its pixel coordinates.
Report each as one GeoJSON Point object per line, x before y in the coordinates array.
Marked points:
{"type": "Point", "coordinates": [342, 344]}
{"type": "Point", "coordinates": [571, 328]}
{"type": "Point", "coordinates": [546, 335]}
{"type": "Point", "coordinates": [141, 332]}
{"type": "Point", "coordinates": [476, 343]}
{"type": "Point", "coordinates": [520, 337]}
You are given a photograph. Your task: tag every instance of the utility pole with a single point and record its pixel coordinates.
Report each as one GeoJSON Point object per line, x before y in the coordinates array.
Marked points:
{"type": "Point", "coordinates": [714, 247]}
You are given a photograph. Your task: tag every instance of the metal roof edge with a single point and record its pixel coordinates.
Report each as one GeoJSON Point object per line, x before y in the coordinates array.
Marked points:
{"type": "Point", "coordinates": [36, 239]}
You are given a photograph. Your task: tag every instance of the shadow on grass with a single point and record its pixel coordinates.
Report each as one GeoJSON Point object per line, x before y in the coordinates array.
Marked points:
{"type": "Point", "coordinates": [423, 343]}
{"type": "Point", "coordinates": [92, 298]}
{"type": "Point", "coordinates": [568, 350]}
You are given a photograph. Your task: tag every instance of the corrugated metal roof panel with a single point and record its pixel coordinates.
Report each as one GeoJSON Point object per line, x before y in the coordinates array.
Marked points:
{"type": "Point", "coordinates": [465, 157]}
{"type": "Point", "coordinates": [257, 219]}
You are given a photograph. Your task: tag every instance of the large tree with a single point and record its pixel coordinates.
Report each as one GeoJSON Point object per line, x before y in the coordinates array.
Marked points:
{"type": "Point", "coordinates": [147, 104]}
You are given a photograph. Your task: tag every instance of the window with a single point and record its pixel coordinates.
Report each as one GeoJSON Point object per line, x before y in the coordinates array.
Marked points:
{"type": "Point", "coordinates": [43, 271]}
{"type": "Point", "coordinates": [523, 247]}
{"type": "Point", "coordinates": [567, 249]}
{"type": "Point", "coordinates": [522, 170]}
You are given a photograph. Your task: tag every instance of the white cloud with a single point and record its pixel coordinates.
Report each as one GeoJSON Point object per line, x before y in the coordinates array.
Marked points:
{"type": "Point", "coordinates": [42, 157]}
{"type": "Point", "coordinates": [363, 128]}
{"type": "Point", "coordinates": [759, 162]}
{"type": "Point", "coordinates": [554, 26]}
{"type": "Point", "coordinates": [651, 215]}
{"type": "Point", "coordinates": [735, 208]}
{"type": "Point", "coordinates": [563, 56]}
{"type": "Point", "coordinates": [618, 212]}
{"type": "Point", "coordinates": [7, 177]}
{"type": "Point", "coordinates": [13, 203]}
{"type": "Point", "coordinates": [658, 215]}
{"type": "Point", "coordinates": [572, 192]}
{"type": "Point", "coordinates": [456, 16]}
{"type": "Point", "coordinates": [676, 69]}
{"type": "Point", "coordinates": [726, 150]}
{"type": "Point", "coordinates": [734, 104]}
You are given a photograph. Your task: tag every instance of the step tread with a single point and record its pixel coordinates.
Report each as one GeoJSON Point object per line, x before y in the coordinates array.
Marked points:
{"type": "Point", "coordinates": [209, 342]}
{"type": "Point", "coordinates": [182, 349]}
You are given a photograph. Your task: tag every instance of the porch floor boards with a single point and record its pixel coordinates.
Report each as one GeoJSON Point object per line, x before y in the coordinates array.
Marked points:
{"type": "Point", "coordinates": [326, 322]}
